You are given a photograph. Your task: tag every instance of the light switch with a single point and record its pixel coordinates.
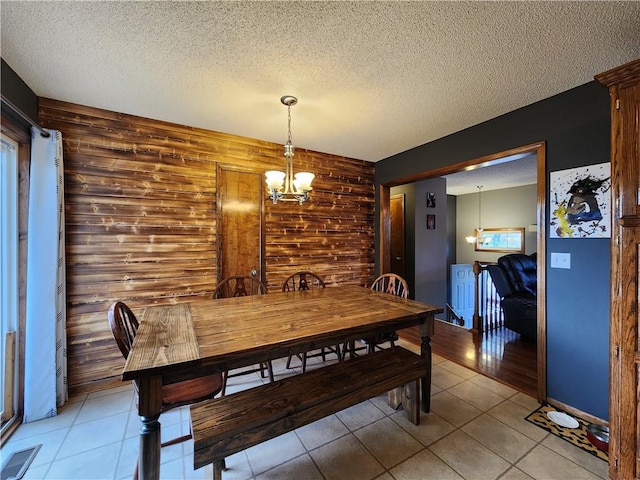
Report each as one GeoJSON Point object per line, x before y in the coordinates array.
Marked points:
{"type": "Point", "coordinates": [560, 260]}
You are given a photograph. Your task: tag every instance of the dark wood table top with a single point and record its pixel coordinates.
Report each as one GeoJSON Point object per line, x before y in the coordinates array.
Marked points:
{"type": "Point", "coordinates": [216, 335]}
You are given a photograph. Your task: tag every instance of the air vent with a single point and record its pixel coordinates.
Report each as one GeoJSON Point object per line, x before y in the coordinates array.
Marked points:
{"type": "Point", "coordinates": [18, 463]}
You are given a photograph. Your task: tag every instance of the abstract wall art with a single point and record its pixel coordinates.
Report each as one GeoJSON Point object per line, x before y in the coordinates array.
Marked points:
{"type": "Point", "coordinates": [580, 202]}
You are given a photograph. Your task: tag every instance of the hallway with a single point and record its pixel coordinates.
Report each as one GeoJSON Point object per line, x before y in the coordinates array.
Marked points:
{"type": "Point", "coordinates": [500, 354]}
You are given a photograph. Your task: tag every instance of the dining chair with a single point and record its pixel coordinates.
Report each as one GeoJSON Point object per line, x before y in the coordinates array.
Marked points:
{"type": "Point", "coordinates": [124, 326]}
{"type": "Point", "coordinates": [391, 283]}
{"type": "Point", "coordinates": [242, 286]}
{"type": "Point", "coordinates": [239, 286]}
{"type": "Point", "coordinates": [388, 283]}
{"type": "Point", "coordinates": [301, 281]}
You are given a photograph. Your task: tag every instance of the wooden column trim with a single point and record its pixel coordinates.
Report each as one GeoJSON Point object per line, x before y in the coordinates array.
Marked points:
{"type": "Point", "coordinates": [385, 228]}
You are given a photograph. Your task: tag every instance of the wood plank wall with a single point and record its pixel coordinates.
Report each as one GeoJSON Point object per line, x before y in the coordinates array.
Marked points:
{"type": "Point", "coordinates": [141, 221]}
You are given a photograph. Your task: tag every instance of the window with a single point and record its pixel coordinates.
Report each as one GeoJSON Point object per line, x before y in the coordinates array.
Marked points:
{"type": "Point", "coordinates": [8, 275]}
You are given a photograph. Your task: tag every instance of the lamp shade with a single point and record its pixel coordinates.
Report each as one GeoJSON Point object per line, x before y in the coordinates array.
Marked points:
{"type": "Point", "coordinates": [274, 179]}
{"type": "Point", "coordinates": [302, 181]}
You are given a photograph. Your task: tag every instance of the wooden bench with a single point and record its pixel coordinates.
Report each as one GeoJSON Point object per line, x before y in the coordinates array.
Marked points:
{"type": "Point", "coordinates": [226, 425]}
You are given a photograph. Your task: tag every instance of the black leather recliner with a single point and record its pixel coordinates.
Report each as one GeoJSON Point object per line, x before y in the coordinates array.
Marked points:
{"type": "Point", "coordinates": [515, 279]}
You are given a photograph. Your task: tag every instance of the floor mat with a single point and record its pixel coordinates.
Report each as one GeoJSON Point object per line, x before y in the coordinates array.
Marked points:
{"type": "Point", "coordinates": [576, 436]}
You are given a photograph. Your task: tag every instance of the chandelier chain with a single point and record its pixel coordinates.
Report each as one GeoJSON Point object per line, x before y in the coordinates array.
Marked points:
{"type": "Point", "coordinates": [289, 122]}
{"type": "Point", "coordinates": [479, 207]}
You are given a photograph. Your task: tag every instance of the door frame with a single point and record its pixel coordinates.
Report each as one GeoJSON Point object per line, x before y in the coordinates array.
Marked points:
{"type": "Point", "coordinates": [538, 148]}
{"type": "Point", "coordinates": [22, 137]}
{"type": "Point", "coordinates": [401, 196]}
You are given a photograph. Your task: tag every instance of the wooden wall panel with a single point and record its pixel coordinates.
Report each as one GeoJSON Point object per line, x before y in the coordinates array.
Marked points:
{"type": "Point", "coordinates": [141, 221]}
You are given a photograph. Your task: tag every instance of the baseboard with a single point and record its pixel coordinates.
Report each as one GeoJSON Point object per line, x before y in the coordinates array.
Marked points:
{"type": "Point", "coordinates": [578, 413]}
{"type": "Point", "coordinates": [97, 385]}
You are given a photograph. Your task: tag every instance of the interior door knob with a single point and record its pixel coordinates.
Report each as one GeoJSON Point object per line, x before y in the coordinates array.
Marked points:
{"type": "Point", "coordinates": [254, 272]}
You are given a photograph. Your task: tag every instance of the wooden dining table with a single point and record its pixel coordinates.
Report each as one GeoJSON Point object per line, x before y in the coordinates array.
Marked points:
{"type": "Point", "coordinates": [188, 340]}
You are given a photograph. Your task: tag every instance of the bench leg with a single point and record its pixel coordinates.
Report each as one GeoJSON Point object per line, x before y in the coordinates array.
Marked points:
{"type": "Point", "coordinates": [394, 398]}
{"type": "Point", "coordinates": [407, 396]}
{"type": "Point", "coordinates": [411, 401]}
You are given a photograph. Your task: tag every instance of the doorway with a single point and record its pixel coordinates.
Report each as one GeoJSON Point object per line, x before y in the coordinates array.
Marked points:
{"type": "Point", "coordinates": [241, 223]}
{"type": "Point", "coordinates": [10, 327]}
{"type": "Point", "coordinates": [397, 235]}
{"type": "Point", "coordinates": [539, 150]}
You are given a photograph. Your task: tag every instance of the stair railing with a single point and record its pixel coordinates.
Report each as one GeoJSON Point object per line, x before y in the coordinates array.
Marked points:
{"type": "Point", "coordinates": [452, 316]}
{"type": "Point", "coordinates": [487, 312]}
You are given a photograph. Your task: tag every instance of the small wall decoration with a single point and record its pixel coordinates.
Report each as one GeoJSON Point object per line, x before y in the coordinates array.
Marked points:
{"type": "Point", "coordinates": [431, 200]}
{"type": "Point", "coordinates": [431, 222]}
{"type": "Point", "coordinates": [580, 202]}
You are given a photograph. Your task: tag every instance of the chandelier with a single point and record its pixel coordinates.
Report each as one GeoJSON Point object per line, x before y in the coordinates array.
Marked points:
{"type": "Point", "coordinates": [285, 186]}
{"type": "Point", "coordinates": [477, 236]}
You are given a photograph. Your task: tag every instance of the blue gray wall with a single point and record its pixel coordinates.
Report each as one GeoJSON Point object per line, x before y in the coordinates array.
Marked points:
{"type": "Point", "coordinates": [430, 260]}
{"type": "Point", "coordinates": [576, 128]}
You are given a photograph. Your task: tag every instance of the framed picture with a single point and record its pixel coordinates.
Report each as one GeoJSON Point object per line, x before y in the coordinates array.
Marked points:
{"type": "Point", "coordinates": [510, 240]}
{"type": "Point", "coordinates": [581, 202]}
{"type": "Point", "coordinates": [431, 222]}
{"type": "Point", "coordinates": [431, 200]}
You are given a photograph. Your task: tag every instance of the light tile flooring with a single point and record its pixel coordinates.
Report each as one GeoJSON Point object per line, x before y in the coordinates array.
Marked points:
{"type": "Point", "coordinates": [476, 430]}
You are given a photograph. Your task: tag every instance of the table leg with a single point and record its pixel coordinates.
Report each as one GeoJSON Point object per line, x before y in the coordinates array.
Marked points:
{"type": "Point", "coordinates": [150, 438]}
{"type": "Point", "coordinates": [425, 351]}
{"type": "Point", "coordinates": [149, 406]}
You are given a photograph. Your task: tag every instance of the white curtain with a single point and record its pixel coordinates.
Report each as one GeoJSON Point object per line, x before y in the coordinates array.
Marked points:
{"type": "Point", "coordinates": [45, 334]}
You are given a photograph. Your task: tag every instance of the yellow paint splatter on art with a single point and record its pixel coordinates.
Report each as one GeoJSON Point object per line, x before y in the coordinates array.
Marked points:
{"type": "Point", "coordinates": [564, 230]}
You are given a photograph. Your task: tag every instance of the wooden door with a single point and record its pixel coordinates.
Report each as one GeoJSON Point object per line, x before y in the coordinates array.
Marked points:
{"type": "Point", "coordinates": [397, 235]}
{"type": "Point", "coordinates": [624, 395]}
{"type": "Point", "coordinates": [240, 223]}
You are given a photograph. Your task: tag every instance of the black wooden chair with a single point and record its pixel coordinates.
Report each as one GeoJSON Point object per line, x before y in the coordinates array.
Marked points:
{"type": "Point", "coordinates": [301, 281]}
{"type": "Point", "coordinates": [241, 286]}
{"type": "Point", "coordinates": [124, 326]}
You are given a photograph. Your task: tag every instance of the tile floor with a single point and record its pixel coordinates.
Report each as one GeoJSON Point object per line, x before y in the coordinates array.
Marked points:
{"type": "Point", "coordinates": [476, 430]}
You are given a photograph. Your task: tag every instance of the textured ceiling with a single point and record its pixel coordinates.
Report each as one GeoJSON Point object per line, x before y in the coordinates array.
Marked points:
{"type": "Point", "coordinates": [373, 78]}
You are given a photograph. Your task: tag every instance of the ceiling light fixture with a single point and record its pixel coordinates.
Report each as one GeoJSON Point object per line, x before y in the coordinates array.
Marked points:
{"type": "Point", "coordinates": [296, 187]}
{"type": "Point", "coordinates": [478, 233]}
